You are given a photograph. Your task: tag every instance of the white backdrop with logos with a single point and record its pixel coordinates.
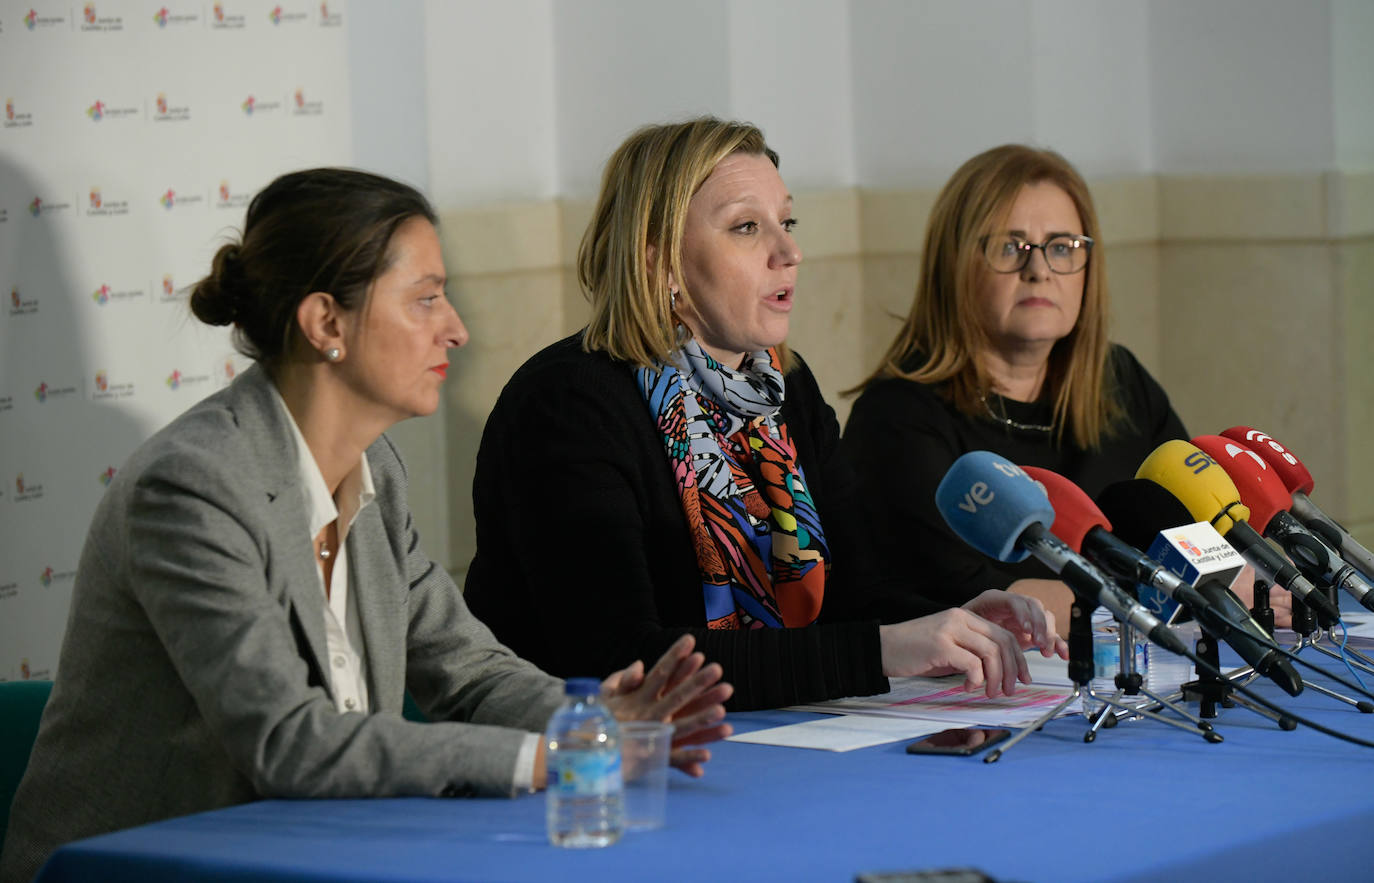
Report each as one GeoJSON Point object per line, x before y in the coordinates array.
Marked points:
{"type": "Point", "coordinates": [133, 136]}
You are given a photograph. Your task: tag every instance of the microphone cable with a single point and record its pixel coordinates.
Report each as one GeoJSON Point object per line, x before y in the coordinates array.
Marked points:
{"type": "Point", "coordinates": [1345, 636]}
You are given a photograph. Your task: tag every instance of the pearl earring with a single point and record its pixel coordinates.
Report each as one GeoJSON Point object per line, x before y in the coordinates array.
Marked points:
{"type": "Point", "coordinates": [333, 354]}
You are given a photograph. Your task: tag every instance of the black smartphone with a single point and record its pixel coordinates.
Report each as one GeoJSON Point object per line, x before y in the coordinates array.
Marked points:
{"type": "Point", "coordinates": [963, 742]}
{"type": "Point", "coordinates": [940, 875]}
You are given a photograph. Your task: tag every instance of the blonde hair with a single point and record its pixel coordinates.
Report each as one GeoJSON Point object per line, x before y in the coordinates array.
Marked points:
{"type": "Point", "coordinates": [634, 241]}
{"type": "Point", "coordinates": [943, 323]}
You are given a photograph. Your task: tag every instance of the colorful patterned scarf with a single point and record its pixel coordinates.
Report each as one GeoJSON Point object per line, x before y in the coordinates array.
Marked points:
{"type": "Point", "coordinates": [760, 549]}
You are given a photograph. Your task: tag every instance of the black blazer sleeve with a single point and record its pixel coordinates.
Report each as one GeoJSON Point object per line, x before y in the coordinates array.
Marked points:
{"type": "Point", "coordinates": [900, 443]}
{"type": "Point", "coordinates": [584, 562]}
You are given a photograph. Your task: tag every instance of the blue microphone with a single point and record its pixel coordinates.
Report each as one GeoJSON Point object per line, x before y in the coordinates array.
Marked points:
{"type": "Point", "coordinates": [995, 507]}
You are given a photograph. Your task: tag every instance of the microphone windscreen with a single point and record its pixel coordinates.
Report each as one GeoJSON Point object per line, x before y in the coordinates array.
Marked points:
{"type": "Point", "coordinates": [1074, 511]}
{"type": "Point", "coordinates": [1140, 509]}
{"type": "Point", "coordinates": [1198, 482]}
{"type": "Point", "coordinates": [1284, 462]}
{"type": "Point", "coordinates": [989, 502]}
{"type": "Point", "coordinates": [1260, 490]}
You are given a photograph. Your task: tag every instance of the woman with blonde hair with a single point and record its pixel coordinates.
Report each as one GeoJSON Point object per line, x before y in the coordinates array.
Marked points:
{"type": "Point", "coordinates": [1005, 349]}
{"type": "Point", "coordinates": [671, 468]}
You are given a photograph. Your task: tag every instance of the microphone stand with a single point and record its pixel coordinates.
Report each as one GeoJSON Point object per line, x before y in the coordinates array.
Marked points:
{"type": "Point", "coordinates": [1361, 659]}
{"type": "Point", "coordinates": [1081, 671]}
{"type": "Point", "coordinates": [1261, 611]}
{"type": "Point", "coordinates": [1263, 614]}
{"type": "Point", "coordinates": [1305, 626]}
{"type": "Point", "coordinates": [1209, 690]}
{"type": "Point", "coordinates": [1129, 682]}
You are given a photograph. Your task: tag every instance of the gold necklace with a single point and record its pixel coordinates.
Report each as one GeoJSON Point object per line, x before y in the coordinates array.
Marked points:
{"type": "Point", "coordinates": [1004, 419]}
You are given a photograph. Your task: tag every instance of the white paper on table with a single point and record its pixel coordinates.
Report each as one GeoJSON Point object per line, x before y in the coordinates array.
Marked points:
{"type": "Point", "coordinates": [943, 700]}
{"type": "Point", "coordinates": [841, 732]}
{"type": "Point", "coordinates": [1052, 672]}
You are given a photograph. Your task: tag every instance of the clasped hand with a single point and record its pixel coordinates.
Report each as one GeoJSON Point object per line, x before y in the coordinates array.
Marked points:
{"type": "Point", "coordinates": [983, 640]}
{"type": "Point", "coordinates": [679, 689]}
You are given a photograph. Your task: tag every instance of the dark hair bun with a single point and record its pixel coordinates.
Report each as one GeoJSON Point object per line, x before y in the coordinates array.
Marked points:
{"type": "Point", "coordinates": [313, 230]}
{"type": "Point", "coordinates": [215, 299]}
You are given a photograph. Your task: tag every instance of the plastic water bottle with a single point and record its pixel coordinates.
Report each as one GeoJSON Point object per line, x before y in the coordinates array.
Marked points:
{"type": "Point", "coordinates": [1167, 672]}
{"type": "Point", "coordinates": [1107, 661]}
{"type": "Point", "coordinates": [585, 802]}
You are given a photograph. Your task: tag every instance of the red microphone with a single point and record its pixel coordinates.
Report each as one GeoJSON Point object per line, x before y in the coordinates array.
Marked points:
{"type": "Point", "coordinates": [1082, 526]}
{"type": "Point", "coordinates": [1299, 482]}
{"type": "Point", "coordinates": [1075, 514]}
{"type": "Point", "coordinates": [1289, 468]}
{"type": "Point", "coordinates": [1259, 488]}
{"type": "Point", "coordinates": [1268, 499]}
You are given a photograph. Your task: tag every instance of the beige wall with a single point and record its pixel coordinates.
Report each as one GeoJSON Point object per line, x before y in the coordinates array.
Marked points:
{"type": "Point", "coordinates": [1356, 259]}
{"type": "Point", "coordinates": [1249, 298]}
{"type": "Point", "coordinates": [1267, 286]}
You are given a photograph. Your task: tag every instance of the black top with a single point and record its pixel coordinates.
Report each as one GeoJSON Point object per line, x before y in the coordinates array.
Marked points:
{"type": "Point", "coordinates": [584, 562]}
{"type": "Point", "coordinates": [902, 437]}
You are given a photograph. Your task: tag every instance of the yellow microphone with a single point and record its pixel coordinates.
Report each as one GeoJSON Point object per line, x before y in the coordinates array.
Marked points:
{"type": "Point", "coordinates": [1208, 493]}
{"type": "Point", "coordinates": [1203, 487]}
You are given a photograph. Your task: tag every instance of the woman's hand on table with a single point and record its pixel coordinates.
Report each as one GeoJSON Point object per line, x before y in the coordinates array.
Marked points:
{"type": "Point", "coordinates": [680, 689]}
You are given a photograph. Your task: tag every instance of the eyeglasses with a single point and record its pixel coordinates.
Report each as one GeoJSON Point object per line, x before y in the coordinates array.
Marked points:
{"type": "Point", "coordinates": [1065, 255]}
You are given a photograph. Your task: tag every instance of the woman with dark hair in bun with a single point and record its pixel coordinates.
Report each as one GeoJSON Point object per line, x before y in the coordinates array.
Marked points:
{"type": "Point", "coordinates": [252, 603]}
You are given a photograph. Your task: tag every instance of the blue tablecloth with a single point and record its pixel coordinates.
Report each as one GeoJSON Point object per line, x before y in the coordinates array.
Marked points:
{"type": "Point", "coordinates": [1144, 802]}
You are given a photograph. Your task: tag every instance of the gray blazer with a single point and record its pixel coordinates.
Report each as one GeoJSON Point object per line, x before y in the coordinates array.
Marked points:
{"type": "Point", "coordinates": [192, 674]}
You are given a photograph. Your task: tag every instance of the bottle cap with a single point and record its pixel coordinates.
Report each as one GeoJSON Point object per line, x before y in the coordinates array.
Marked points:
{"type": "Point", "coordinates": [582, 687]}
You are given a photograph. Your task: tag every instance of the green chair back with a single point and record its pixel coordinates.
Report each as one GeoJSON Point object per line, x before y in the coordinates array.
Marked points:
{"type": "Point", "coordinates": [21, 705]}
{"type": "Point", "coordinates": [411, 710]}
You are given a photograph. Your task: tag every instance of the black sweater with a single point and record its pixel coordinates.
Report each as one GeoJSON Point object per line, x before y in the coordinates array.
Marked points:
{"type": "Point", "coordinates": [902, 437]}
{"type": "Point", "coordinates": [584, 562]}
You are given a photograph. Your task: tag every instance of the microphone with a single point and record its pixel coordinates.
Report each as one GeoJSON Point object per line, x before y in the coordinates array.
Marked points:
{"type": "Point", "coordinates": [1139, 509]}
{"type": "Point", "coordinates": [1210, 495]}
{"type": "Point", "coordinates": [1086, 529]}
{"type": "Point", "coordinates": [1146, 516]}
{"type": "Point", "coordinates": [1000, 511]}
{"type": "Point", "coordinates": [1269, 500]}
{"type": "Point", "coordinates": [1299, 482]}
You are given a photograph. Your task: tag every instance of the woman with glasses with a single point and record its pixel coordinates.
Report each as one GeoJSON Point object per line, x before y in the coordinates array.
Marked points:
{"type": "Point", "coordinates": [1005, 349]}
